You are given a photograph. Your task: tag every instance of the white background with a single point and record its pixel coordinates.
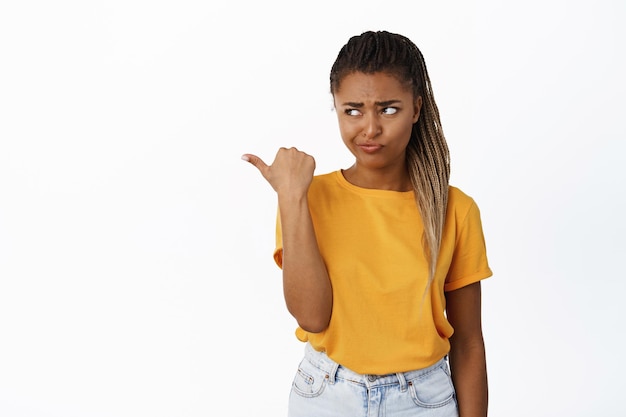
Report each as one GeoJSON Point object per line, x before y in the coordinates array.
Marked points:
{"type": "Point", "coordinates": [136, 276]}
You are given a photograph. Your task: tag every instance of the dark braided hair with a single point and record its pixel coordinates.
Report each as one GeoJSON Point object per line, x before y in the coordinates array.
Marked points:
{"type": "Point", "coordinates": [427, 154]}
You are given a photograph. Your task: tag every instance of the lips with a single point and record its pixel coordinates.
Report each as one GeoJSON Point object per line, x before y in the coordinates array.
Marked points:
{"type": "Point", "coordinates": [369, 147]}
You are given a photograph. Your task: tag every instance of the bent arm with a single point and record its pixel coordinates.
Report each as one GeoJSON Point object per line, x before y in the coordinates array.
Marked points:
{"type": "Point", "coordinates": [467, 350]}
{"type": "Point", "coordinates": [306, 285]}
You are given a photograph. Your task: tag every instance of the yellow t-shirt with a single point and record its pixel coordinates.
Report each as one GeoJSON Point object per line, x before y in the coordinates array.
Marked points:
{"type": "Point", "coordinates": [370, 241]}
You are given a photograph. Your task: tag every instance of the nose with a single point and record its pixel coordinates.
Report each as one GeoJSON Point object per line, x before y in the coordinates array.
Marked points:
{"type": "Point", "coordinates": [372, 126]}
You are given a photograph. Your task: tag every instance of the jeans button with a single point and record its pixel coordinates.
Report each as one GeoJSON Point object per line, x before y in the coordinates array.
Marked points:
{"type": "Point", "coordinates": [371, 378]}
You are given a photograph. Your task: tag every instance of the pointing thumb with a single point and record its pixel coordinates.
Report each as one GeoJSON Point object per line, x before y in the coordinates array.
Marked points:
{"type": "Point", "coordinates": [256, 161]}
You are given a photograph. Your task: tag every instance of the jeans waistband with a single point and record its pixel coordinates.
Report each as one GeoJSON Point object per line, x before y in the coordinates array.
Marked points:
{"type": "Point", "coordinates": [334, 370]}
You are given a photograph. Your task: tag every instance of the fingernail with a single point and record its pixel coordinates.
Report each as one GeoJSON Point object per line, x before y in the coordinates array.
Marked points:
{"type": "Point", "coordinates": [245, 158]}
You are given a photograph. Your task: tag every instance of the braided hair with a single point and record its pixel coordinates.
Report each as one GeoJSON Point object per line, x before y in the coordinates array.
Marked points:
{"type": "Point", "coordinates": [427, 155]}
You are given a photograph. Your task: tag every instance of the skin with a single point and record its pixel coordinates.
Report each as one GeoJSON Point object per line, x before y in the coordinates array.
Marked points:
{"type": "Point", "coordinates": [376, 113]}
{"type": "Point", "coordinates": [306, 285]}
{"type": "Point", "coordinates": [467, 350]}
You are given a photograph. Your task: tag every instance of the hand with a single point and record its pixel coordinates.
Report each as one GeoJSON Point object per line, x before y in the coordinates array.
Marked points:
{"type": "Point", "coordinates": [291, 171]}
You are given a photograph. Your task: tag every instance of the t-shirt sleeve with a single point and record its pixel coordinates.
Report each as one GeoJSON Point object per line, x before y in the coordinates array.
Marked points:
{"type": "Point", "coordinates": [278, 251]}
{"type": "Point", "coordinates": [469, 260]}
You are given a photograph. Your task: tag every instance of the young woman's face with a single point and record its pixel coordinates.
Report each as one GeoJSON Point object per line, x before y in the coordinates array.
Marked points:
{"type": "Point", "coordinates": [376, 113]}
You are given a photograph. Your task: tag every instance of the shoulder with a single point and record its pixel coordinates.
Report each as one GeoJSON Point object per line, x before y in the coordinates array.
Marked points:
{"type": "Point", "coordinates": [461, 206]}
{"type": "Point", "coordinates": [327, 177]}
{"type": "Point", "coordinates": [457, 199]}
{"type": "Point", "coordinates": [324, 182]}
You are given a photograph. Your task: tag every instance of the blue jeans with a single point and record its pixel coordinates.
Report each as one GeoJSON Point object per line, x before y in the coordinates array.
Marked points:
{"type": "Point", "coordinates": [323, 388]}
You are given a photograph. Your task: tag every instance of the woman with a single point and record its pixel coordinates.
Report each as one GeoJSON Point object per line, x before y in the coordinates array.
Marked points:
{"type": "Point", "coordinates": [382, 261]}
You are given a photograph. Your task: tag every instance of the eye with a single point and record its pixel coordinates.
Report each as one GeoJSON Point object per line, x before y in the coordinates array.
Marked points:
{"type": "Point", "coordinates": [390, 110]}
{"type": "Point", "coordinates": [352, 112]}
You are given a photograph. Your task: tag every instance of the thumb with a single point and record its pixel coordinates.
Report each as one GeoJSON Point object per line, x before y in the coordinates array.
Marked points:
{"type": "Point", "coordinates": [256, 161]}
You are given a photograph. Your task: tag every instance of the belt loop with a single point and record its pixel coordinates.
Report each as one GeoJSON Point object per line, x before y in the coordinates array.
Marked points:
{"type": "Point", "coordinates": [402, 381]}
{"type": "Point", "coordinates": [333, 373]}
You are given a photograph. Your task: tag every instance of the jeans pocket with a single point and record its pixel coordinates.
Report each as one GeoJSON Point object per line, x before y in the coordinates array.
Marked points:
{"type": "Point", "coordinates": [309, 381]}
{"type": "Point", "coordinates": [432, 390]}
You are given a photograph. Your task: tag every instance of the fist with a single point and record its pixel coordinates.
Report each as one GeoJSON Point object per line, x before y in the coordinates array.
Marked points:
{"type": "Point", "coordinates": [290, 173]}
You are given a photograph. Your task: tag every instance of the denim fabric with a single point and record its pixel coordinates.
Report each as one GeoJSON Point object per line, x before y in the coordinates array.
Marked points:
{"type": "Point", "coordinates": [323, 388]}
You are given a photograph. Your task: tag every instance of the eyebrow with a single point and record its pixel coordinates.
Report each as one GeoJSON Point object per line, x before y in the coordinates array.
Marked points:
{"type": "Point", "coordinates": [377, 103]}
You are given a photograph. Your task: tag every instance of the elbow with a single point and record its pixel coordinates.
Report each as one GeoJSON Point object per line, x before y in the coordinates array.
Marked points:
{"type": "Point", "coordinates": [311, 317]}
{"type": "Point", "coordinates": [313, 326]}
{"type": "Point", "coordinates": [313, 322]}
{"type": "Point", "coordinates": [467, 351]}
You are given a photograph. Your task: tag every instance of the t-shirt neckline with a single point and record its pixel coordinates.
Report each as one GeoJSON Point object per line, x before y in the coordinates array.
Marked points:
{"type": "Point", "coordinates": [372, 192]}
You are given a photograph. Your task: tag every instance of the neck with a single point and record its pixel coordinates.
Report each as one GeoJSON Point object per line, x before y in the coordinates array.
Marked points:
{"type": "Point", "coordinates": [379, 179]}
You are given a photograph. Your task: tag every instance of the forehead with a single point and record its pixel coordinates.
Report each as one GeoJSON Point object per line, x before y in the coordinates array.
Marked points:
{"type": "Point", "coordinates": [379, 86]}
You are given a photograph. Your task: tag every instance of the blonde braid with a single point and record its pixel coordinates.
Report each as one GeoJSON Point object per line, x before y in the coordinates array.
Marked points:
{"type": "Point", "coordinates": [428, 165]}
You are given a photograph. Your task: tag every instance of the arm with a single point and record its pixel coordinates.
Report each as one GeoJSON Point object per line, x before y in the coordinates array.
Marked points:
{"type": "Point", "coordinates": [467, 350]}
{"type": "Point", "coordinates": [306, 285]}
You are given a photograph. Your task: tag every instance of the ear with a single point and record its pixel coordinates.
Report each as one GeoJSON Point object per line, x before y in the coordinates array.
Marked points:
{"type": "Point", "coordinates": [417, 107]}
